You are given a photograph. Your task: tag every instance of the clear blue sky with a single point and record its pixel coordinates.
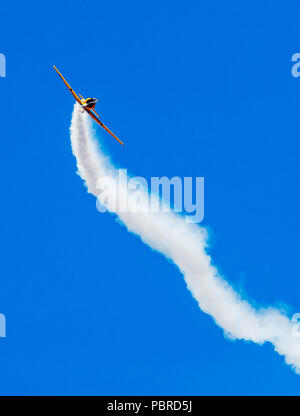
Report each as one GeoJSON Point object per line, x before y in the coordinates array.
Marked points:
{"type": "Point", "coordinates": [196, 89]}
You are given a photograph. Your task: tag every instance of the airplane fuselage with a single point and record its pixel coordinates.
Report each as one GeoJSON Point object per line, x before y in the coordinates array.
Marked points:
{"type": "Point", "coordinates": [89, 103]}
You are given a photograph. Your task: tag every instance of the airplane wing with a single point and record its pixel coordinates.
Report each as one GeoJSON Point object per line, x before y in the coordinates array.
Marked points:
{"type": "Point", "coordinates": [94, 117]}
{"type": "Point", "coordinates": [69, 87]}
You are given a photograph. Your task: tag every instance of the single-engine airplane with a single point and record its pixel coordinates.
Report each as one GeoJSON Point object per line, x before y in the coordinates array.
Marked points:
{"type": "Point", "coordinates": [87, 105]}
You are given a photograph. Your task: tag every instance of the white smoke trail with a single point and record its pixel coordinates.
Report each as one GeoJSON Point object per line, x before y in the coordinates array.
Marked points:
{"type": "Point", "coordinates": [185, 245]}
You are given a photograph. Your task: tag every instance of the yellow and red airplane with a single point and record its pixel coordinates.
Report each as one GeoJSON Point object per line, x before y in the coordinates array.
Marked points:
{"type": "Point", "coordinates": [88, 105]}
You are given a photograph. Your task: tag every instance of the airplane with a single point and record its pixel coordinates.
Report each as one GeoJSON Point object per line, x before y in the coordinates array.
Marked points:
{"type": "Point", "coordinates": [88, 105]}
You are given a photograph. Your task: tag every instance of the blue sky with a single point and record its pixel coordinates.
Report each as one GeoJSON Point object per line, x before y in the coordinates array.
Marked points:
{"type": "Point", "coordinates": [195, 89]}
